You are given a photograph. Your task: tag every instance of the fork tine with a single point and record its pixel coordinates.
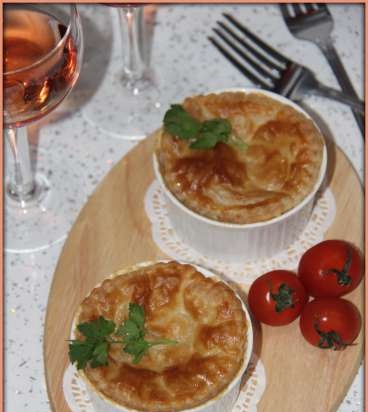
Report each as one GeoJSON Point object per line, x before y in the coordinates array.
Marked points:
{"type": "Point", "coordinates": [285, 11]}
{"type": "Point", "coordinates": [309, 7]}
{"type": "Point", "coordinates": [322, 7]}
{"type": "Point", "coordinates": [246, 57]}
{"type": "Point", "coordinates": [267, 49]}
{"type": "Point", "coordinates": [297, 9]}
{"type": "Point", "coordinates": [255, 79]}
{"type": "Point", "coordinates": [249, 48]}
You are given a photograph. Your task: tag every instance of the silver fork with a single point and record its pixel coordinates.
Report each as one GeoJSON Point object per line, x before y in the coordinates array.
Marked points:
{"type": "Point", "coordinates": [313, 22]}
{"type": "Point", "coordinates": [269, 69]}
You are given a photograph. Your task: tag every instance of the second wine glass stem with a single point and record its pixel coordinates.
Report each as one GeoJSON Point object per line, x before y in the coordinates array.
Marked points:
{"type": "Point", "coordinates": [131, 19]}
{"type": "Point", "coordinates": [21, 185]}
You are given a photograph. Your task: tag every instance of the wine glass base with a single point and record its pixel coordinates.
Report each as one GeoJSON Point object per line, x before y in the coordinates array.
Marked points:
{"type": "Point", "coordinates": [45, 220]}
{"type": "Point", "coordinates": [128, 113]}
{"type": "Point", "coordinates": [32, 199]}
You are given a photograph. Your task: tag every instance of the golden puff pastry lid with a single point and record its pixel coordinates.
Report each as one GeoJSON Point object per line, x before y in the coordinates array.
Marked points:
{"type": "Point", "coordinates": [202, 314]}
{"type": "Point", "coordinates": [277, 170]}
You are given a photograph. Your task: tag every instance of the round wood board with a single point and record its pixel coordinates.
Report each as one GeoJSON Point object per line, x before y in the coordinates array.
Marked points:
{"type": "Point", "coordinates": [113, 231]}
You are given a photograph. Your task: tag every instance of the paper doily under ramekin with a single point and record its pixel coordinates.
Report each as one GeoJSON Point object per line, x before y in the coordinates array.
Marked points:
{"type": "Point", "coordinates": [168, 241]}
{"type": "Point", "coordinates": [252, 388]}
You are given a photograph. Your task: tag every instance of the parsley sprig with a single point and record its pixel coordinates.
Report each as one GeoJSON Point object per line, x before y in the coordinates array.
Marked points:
{"type": "Point", "coordinates": [94, 349]}
{"type": "Point", "coordinates": [201, 135]}
{"type": "Point", "coordinates": [132, 331]}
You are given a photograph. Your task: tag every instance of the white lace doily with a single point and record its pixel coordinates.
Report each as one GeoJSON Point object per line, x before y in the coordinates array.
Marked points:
{"type": "Point", "coordinates": [252, 388]}
{"type": "Point", "coordinates": [168, 241]}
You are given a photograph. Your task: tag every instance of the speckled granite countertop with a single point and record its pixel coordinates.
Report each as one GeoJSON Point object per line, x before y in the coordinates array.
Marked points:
{"type": "Point", "coordinates": [179, 43]}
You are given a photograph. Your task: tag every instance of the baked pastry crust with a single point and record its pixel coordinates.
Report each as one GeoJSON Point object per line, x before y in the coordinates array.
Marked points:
{"type": "Point", "coordinates": [277, 170]}
{"type": "Point", "coordinates": [202, 314]}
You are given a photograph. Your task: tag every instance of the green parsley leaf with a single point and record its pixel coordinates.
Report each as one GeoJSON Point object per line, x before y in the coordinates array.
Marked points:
{"type": "Point", "coordinates": [94, 349]}
{"type": "Point", "coordinates": [130, 331]}
{"type": "Point", "coordinates": [180, 123]}
{"type": "Point", "coordinates": [221, 128]}
{"type": "Point", "coordinates": [80, 352]}
{"type": "Point", "coordinates": [136, 314]}
{"type": "Point", "coordinates": [97, 329]}
{"type": "Point", "coordinates": [138, 349]}
{"type": "Point", "coordinates": [211, 133]}
{"type": "Point", "coordinates": [204, 143]}
{"type": "Point", "coordinates": [100, 355]}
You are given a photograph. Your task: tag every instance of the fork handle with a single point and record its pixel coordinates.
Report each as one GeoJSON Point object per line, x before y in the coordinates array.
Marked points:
{"type": "Point", "coordinates": [353, 102]}
{"type": "Point", "coordinates": [342, 77]}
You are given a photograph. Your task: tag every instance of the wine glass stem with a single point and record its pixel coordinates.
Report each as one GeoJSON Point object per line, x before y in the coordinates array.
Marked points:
{"type": "Point", "coordinates": [131, 19]}
{"type": "Point", "coordinates": [21, 182]}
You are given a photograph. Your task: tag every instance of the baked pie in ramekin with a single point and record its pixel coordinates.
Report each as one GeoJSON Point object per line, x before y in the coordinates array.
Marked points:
{"type": "Point", "coordinates": [229, 202]}
{"type": "Point", "coordinates": [205, 317]}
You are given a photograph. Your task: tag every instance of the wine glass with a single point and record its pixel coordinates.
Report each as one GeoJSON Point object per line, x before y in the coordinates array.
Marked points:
{"type": "Point", "coordinates": [43, 49]}
{"type": "Point", "coordinates": [130, 88]}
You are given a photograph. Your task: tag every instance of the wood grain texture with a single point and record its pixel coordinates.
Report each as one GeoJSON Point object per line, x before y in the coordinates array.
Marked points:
{"type": "Point", "coordinates": [113, 231]}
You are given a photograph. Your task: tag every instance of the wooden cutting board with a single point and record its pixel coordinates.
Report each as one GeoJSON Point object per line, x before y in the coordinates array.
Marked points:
{"type": "Point", "coordinates": [113, 231]}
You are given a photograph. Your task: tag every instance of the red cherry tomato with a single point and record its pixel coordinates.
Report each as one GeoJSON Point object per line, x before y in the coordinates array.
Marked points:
{"type": "Point", "coordinates": [330, 323]}
{"type": "Point", "coordinates": [331, 268]}
{"type": "Point", "coordinates": [277, 297]}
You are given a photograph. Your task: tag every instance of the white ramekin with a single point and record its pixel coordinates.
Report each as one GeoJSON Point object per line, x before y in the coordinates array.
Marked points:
{"type": "Point", "coordinates": [223, 402]}
{"type": "Point", "coordinates": [237, 243]}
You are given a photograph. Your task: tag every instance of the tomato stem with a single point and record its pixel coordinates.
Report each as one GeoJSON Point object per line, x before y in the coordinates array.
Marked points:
{"type": "Point", "coordinates": [330, 339]}
{"type": "Point", "coordinates": [343, 278]}
{"type": "Point", "coordinates": [284, 297]}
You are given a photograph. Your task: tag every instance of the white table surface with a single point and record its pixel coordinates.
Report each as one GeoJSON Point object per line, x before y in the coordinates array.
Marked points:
{"type": "Point", "coordinates": [179, 43]}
